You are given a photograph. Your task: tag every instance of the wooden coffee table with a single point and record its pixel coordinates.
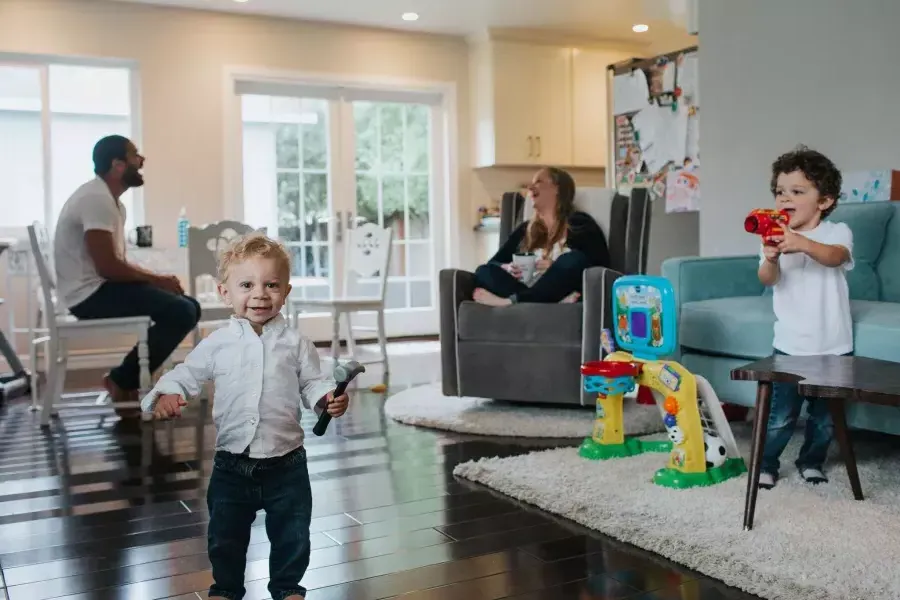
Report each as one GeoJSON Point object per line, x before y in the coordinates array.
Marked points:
{"type": "Point", "coordinates": [836, 379]}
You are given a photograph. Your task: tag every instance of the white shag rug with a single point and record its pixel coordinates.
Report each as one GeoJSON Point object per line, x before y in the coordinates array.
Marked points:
{"type": "Point", "coordinates": [426, 406]}
{"type": "Point", "coordinates": [808, 542]}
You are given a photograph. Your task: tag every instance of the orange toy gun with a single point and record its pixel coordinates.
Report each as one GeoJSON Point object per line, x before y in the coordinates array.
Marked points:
{"type": "Point", "coordinates": [767, 222]}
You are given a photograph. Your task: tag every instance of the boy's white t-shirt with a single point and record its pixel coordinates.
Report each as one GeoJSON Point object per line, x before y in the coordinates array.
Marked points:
{"type": "Point", "coordinates": [91, 206]}
{"type": "Point", "coordinates": [812, 301]}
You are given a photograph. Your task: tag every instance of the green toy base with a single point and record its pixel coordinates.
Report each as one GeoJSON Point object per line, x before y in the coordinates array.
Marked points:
{"type": "Point", "coordinates": [632, 447]}
{"type": "Point", "coordinates": [676, 479]}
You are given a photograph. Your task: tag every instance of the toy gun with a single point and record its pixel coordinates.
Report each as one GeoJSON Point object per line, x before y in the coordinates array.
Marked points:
{"type": "Point", "coordinates": [343, 375]}
{"type": "Point", "coordinates": [767, 222]}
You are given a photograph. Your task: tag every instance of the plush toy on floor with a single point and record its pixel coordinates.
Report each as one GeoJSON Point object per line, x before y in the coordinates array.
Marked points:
{"type": "Point", "coordinates": [701, 447]}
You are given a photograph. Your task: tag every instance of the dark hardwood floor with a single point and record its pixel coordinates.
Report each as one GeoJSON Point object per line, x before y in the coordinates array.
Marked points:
{"type": "Point", "coordinates": [81, 519]}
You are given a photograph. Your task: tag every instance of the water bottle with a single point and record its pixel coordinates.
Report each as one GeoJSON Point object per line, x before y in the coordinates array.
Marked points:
{"type": "Point", "coordinates": [182, 229]}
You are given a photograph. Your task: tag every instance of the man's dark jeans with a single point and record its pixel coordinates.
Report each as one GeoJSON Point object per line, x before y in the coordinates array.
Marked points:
{"type": "Point", "coordinates": [238, 488]}
{"type": "Point", "coordinates": [173, 318]}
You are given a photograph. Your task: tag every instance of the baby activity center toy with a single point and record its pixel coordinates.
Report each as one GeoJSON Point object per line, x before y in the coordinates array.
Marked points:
{"type": "Point", "coordinates": [701, 447]}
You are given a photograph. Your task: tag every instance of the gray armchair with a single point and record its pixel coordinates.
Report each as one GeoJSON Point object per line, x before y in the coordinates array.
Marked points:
{"type": "Point", "coordinates": [533, 352]}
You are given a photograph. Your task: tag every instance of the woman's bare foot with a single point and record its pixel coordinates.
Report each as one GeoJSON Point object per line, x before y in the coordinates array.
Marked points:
{"type": "Point", "coordinates": [571, 298]}
{"type": "Point", "coordinates": [482, 296]}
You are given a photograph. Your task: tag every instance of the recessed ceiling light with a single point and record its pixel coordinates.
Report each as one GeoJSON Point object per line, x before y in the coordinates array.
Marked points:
{"type": "Point", "coordinates": [640, 28]}
{"type": "Point", "coordinates": [410, 16]}
{"type": "Point", "coordinates": [241, 1]}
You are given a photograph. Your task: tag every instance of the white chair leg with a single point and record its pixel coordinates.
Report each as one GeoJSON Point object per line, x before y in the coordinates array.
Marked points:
{"type": "Point", "coordinates": [52, 373]}
{"type": "Point", "coordinates": [382, 339]}
{"type": "Point", "coordinates": [143, 353]}
{"type": "Point", "coordinates": [33, 374]}
{"type": "Point", "coordinates": [351, 343]}
{"type": "Point", "coordinates": [60, 381]}
{"type": "Point", "coordinates": [335, 335]}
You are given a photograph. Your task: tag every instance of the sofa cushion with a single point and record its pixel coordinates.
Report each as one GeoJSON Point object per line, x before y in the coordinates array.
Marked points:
{"type": "Point", "coordinates": [876, 329]}
{"type": "Point", "coordinates": [521, 323]}
{"type": "Point", "coordinates": [868, 222]}
{"type": "Point", "coordinates": [742, 327]}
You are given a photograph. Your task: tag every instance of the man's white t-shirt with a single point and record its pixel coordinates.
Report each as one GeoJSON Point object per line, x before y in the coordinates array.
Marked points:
{"type": "Point", "coordinates": [812, 301]}
{"type": "Point", "coordinates": [92, 206]}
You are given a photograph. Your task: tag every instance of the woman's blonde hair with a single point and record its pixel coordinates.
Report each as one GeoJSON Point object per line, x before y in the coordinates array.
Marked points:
{"type": "Point", "coordinates": [253, 245]}
{"type": "Point", "coordinates": [537, 236]}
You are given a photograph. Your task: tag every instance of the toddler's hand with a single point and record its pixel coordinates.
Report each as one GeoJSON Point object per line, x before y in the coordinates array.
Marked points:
{"type": "Point", "coordinates": [771, 253]}
{"type": "Point", "coordinates": [792, 242]}
{"type": "Point", "coordinates": [168, 406]}
{"type": "Point", "coordinates": [337, 406]}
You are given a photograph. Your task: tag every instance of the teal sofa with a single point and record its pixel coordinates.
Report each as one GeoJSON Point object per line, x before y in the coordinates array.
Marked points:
{"type": "Point", "coordinates": [725, 316]}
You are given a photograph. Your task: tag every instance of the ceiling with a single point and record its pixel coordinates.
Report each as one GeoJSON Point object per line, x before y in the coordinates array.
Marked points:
{"type": "Point", "coordinates": [601, 19]}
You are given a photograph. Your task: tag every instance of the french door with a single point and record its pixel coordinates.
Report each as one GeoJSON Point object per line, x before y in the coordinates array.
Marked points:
{"type": "Point", "coordinates": [317, 161]}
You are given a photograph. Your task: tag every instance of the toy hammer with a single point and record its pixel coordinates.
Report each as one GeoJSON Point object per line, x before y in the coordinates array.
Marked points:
{"type": "Point", "coordinates": [343, 375]}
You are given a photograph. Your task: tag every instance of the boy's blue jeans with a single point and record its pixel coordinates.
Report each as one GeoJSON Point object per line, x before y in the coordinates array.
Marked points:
{"type": "Point", "coordinates": [785, 410]}
{"type": "Point", "coordinates": [238, 488]}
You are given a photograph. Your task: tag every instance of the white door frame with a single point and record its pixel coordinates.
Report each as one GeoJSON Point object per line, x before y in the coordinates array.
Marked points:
{"type": "Point", "coordinates": [445, 184]}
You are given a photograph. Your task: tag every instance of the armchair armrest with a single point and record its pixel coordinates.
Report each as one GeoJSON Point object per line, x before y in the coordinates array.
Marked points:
{"type": "Point", "coordinates": [597, 283]}
{"type": "Point", "coordinates": [707, 278]}
{"type": "Point", "coordinates": [454, 286]}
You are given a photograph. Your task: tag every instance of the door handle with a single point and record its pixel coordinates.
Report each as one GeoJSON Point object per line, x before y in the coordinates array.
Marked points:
{"type": "Point", "coordinates": [538, 138]}
{"type": "Point", "coordinates": [339, 226]}
{"type": "Point", "coordinates": [530, 146]}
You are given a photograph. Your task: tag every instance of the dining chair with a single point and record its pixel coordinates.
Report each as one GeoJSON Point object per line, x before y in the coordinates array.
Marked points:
{"type": "Point", "coordinates": [368, 253]}
{"type": "Point", "coordinates": [204, 246]}
{"type": "Point", "coordinates": [60, 328]}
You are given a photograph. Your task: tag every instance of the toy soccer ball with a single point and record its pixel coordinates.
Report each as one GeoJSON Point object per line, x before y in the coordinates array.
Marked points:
{"type": "Point", "coordinates": [715, 451]}
{"type": "Point", "coordinates": [676, 435]}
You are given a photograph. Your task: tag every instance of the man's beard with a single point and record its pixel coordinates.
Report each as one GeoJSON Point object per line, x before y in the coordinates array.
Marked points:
{"type": "Point", "coordinates": [132, 177]}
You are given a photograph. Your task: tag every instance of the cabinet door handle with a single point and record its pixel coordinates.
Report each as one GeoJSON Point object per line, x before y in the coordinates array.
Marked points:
{"type": "Point", "coordinates": [339, 234]}
{"type": "Point", "coordinates": [530, 146]}
{"type": "Point", "coordinates": [538, 138]}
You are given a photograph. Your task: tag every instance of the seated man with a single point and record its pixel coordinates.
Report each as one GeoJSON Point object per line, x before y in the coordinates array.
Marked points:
{"type": "Point", "coordinates": [94, 279]}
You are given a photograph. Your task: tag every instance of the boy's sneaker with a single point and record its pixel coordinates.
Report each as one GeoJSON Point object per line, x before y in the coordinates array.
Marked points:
{"type": "Point", "coordinates": [767, 481]}
{"type": "Point", "coordinates": [813, 476]}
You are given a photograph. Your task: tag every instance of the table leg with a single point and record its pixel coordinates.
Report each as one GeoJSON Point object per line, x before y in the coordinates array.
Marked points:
{"type": "Point", "coordinates": [839, 417]}
{"type": "Point", "coordinates": [760, 422]}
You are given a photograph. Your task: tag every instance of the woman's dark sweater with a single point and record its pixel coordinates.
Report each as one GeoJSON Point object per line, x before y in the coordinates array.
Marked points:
{"type": "Point", "coordinates": [583, 235]}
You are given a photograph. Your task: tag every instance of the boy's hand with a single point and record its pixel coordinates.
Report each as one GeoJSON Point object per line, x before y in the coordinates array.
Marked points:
{"type": "Point", "coordinates": [168, 406]}
{"type": "Point", "coordinates": [337, 406]}
{"type": "Point", "coordinates": [771, 253]}
{"type": "Point", "coordinates": [792, 242]}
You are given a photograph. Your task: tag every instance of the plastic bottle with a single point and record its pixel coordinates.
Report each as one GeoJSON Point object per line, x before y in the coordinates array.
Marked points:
{"type": "Point", "coordinates": [183, 228]}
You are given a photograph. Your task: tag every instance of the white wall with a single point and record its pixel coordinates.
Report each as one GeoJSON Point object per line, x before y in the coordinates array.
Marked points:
{"type": "Point", "coordinates": [775, 73]}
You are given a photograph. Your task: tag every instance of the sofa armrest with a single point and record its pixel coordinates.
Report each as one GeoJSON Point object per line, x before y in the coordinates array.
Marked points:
{"type": "Point", "coordinates": [597, 283]}
{"type": "Point", "coordinates": [707, 278]}
{"type": "Point", "coordinates": [454, 286]}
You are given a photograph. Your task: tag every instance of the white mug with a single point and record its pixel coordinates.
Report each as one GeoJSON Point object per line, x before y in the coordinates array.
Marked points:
{"type": "Point", "coordinates": [526, 263]}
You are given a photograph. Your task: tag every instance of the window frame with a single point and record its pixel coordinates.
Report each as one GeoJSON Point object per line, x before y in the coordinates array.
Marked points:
{"type": "Point", "coordinates": [42, 62]}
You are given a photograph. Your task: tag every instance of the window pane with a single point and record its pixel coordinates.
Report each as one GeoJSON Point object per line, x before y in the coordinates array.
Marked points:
{"type": "Point", "coordinates": [287, 146]}
{"type": "Point", "coordinates": [419, 207]}
{"type": "Point", "coordinates": [395, 296]}
{"type": "Point", "coordinates": [315, 206]}
{"type": "Point", "coordinates": [420, 259]}
{"type": "Point", "coordinates": [289, 207]}
{"type": "Point", "coordinates": [392, 201]}
{"type": "Point", "coordinates": [367, 198]}
{"type": "Point", "coordinates": [417, 142]}
{"type": "Point", "coordinates": [420, 294]}
{"type": "Point", "coordinates": [72, 139]}
{"type": "Point", "coordinates": [20, 88]}
{"type": "Point", "coordinates": [21, 167]}
{"type": "Point", "coordinates": [392, 137]}
{"type": "Point", "coordinates": [315, 137]}
{"type": "Point", "coordinates": [365, 115]}
{"type": "Point", "coordinates": [90, 90]}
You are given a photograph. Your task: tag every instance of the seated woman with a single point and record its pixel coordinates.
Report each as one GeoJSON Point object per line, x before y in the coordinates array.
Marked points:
{"type": "Point", "coordinates": [566, 241]}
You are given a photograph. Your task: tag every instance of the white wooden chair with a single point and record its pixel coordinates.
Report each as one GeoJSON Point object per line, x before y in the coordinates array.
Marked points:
{"type": "Point", "coordinates": [62, 327]}
{"type": "Point", "coordinates": [368, 253]}
{"type": "Point", "coordinates": [204, 245]}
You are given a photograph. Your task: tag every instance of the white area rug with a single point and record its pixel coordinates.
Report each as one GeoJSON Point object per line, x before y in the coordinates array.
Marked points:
{"type": "Point", "coordinates": [808, 543]}
{"type": "Point", "coordinates": [426, 406]}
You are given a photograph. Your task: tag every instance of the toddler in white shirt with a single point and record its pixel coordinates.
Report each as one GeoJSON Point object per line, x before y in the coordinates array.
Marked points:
{"type": "Point", "coordinates": [262, 371]}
